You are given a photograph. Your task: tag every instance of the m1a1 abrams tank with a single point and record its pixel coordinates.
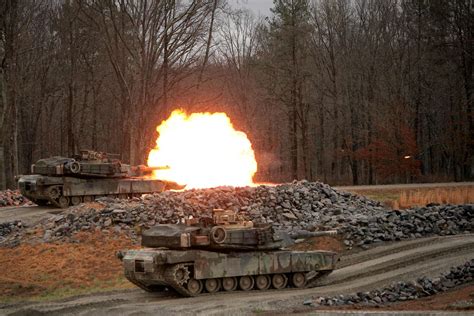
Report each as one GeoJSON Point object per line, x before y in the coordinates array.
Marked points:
{"type": "Point", "coordinates": [64, 181]}
{"type": "Point", "coordinates": [224, 252]}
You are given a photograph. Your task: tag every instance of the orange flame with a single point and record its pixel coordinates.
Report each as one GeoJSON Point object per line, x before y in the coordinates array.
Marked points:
{"type": "Point", "coordinates": [202, 150]}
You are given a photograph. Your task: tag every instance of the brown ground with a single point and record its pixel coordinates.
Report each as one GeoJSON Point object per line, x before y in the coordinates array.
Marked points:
{"type": "Point", "coordinates": [52, 270]}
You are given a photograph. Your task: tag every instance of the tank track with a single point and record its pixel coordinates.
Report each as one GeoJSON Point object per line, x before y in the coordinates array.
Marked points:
{"type": "Point", "coordinates": [132, 279]}
{"type": "Point", "coordinates": [180, 286]}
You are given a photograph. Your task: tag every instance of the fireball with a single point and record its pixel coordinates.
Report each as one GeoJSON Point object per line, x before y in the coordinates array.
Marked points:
{"type": "Point", "coordinates": [202, 150]}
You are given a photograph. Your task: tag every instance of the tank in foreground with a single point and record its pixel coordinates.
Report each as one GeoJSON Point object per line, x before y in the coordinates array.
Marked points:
{"type": "Point", "coordinates": [64, 181]}
{"type": "Point", "coordinates": [222, 253]}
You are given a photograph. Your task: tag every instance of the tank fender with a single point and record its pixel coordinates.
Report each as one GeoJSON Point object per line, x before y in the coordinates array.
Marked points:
{"type": "Point", "coordinates": [189, 256]}
{"type": "Point", "coordinates": [142, 261]}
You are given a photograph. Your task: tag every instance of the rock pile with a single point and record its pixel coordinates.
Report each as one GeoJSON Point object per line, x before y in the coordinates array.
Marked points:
{"type": "Point", "coordinates": [364, 229]}
{"type": "Point", "coordinates": [12, 198]}
{"type": "Point", "coordinates": [9, 227]}
{"type": "Point", "coordinates": [402, 291]}
{"type": "Point", "coordinates": [295, 207]}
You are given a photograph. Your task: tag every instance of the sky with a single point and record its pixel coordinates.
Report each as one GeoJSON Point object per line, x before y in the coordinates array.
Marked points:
{"type": "Point", "coordinates": [261, 7]}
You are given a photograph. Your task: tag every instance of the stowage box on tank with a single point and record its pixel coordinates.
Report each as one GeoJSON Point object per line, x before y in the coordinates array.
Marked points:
{"type": "Point", "coordinates": [224, 252]}
{"type": "Point", "coordinates": [64, 181]}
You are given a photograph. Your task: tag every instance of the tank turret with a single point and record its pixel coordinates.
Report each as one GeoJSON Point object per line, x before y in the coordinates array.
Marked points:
{"type": "Point", "coordinates": [222, 252]}
{"type": "Point", "coordinates": [64, 181]}
{"type": "Point", "coordinates": [225, 230]}
{"type": "Point", "coordinates": [90, 164]}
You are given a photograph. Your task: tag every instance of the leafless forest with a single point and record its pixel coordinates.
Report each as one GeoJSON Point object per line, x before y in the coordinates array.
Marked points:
{"type": "Point", "coordinates": [343, 91]}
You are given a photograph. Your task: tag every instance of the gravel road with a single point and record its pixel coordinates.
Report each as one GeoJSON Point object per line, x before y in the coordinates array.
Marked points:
{"type": "Point", "coordinates": [380, 266]}
{"type": "Point", "coordinates": [28, 215]}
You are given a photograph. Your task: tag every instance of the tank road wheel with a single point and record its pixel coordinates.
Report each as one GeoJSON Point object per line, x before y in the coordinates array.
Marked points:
{"type": "Point", "coordinates": [279, 281]}
{"type": "Point", "coordinates": [246, 283]}
{"type": "Point", "coordinates": [88, 198]}
{"type": "Point", "coordinates": [76, 200]}
{"type": "Point", "coordinates": [194, 287]}
{"type": "Point", "coordinates": [63, 201]}
{"type": "Point", "coordinates": [298, 279]}
{"type": "Point", "coordinates": [212, 285]}
{"type": "Point", "coordinates": [229, 284]}
{"type": "Point", "coordinates": [263, 282]}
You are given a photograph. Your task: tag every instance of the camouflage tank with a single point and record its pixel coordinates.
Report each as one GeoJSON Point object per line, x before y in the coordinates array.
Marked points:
{"type": "Point", "coordinates": [63, 181]}
{"type": "Point", "coordinates": [224, 252]}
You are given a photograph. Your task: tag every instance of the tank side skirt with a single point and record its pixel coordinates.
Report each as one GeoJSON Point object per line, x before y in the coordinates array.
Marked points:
{"type": "Point", "coordinates": [255, 263]}
{"type": "Point", "coordinates": [76, 186]}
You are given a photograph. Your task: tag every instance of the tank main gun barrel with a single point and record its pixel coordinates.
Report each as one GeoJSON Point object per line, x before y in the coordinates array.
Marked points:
{"type": "Point", "coordinates": [147, 168]}
{"type": "Point", "coordinates": [307, 234]}
{"type": "Point", "coordinates": [142, 170]}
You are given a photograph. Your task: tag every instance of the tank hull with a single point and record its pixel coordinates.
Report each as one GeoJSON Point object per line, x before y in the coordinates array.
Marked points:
{"type": "Point", "coordinates": [59, 190]}
{"type": "Point", "coordinates": [149, 268]}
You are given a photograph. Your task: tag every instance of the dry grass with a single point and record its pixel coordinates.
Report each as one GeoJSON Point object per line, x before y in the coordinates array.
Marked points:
{"type": "Point", "coordinates": [456, 195]}
{"type": "Point", "coordinates": [408, 197]}
{"type": "Point", "coordinates": [49, 271]}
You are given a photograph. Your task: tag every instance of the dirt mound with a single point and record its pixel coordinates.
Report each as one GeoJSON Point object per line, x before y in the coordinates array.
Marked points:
{"type": "Point", "coordinates": [53, 269]}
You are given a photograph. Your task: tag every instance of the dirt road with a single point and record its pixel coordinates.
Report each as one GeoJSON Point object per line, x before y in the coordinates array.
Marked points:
{"type": "Point", "coordinates": [27, 214]}
{"type": "Point", "coordinates": [358, 272]}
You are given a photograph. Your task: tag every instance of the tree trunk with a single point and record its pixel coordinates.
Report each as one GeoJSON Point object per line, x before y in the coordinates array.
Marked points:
{"type": "Point", "coordinates": [293, 144]}
{"type": "Point", "coordinates": [321, 149]}
{"type": "Point", "coordinates": [208, 44]}
{"type": "Point", "coordinates": [3, 138]}
{"type": "Point", "coordinates": [69, 119]}
{"type": "Point", "coordinates": [293, 106]}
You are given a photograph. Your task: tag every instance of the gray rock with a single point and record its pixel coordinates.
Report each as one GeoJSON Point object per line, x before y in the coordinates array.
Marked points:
{"type": "Point", "coordinates": [119, 211]}
{"type": "Point", "coordinates": [290, 216]}
{"type": "Point", "coordinates": [47, 235]}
